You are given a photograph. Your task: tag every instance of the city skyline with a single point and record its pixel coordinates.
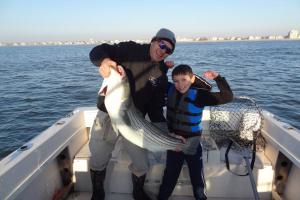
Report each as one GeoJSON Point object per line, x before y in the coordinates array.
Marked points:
{"type": "Point", "coordinates": [38, 21]}
{"type": "Point", "coordinates": [292, 35]}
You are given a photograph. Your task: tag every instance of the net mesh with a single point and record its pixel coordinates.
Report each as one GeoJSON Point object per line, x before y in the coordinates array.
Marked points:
{"type": "Point", "coordinates": [239, 121]}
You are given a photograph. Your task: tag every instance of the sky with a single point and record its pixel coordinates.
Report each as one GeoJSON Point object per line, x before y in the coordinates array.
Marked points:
{"type": "Point", "coordinates": [66, 20]}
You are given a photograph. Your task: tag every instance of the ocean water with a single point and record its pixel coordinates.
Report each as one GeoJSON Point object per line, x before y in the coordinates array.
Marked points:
{"type": "Point", "coordinates": [40, 84]}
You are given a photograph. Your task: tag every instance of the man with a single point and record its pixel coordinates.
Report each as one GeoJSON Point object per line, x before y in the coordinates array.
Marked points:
{"type": "Point", "coordinates": [145, 67]}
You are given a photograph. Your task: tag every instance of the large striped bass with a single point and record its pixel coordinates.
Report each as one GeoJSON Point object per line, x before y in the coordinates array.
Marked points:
{"type": "Point", "coordinates": [128, 121]}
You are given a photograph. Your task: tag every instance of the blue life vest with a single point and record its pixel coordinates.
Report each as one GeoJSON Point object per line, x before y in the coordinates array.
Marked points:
{"type": "Point", "coordinates": [184, 117]}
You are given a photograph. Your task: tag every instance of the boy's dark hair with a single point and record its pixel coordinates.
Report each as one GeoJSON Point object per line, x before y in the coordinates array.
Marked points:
{"type": "Point", "coordinates": [182, 70]}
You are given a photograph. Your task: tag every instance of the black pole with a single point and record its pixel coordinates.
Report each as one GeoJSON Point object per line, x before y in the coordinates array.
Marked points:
{"type": "Point", "coordinates": [254, 188]}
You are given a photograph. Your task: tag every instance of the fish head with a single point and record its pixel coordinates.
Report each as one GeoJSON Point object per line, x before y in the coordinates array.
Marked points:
{"type": "Point", "coordinates": [116, 90]}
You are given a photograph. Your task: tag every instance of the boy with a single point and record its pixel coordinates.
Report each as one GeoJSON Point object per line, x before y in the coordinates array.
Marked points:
{"type": "Point", "coordinates": [184, 112]}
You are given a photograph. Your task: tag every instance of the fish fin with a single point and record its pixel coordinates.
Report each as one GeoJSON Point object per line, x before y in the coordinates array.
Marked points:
{"type": "Point", "coordinates": [191, 145]}
{"type": "Point", "coordinates": [116, 130]}
{"type": "Point", "coordinates": [157, 156]}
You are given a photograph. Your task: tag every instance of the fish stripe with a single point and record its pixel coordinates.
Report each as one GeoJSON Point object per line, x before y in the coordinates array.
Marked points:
{"type": "Point", "coordinates": [130, 122]}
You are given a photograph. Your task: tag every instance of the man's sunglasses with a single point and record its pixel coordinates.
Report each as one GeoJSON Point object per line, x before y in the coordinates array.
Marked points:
{"type": "Point", "coordinates": [162, 45]}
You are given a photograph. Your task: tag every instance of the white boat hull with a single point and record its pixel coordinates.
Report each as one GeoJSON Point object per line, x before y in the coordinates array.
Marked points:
{"type": "Point", "coordinates": [58, 160]}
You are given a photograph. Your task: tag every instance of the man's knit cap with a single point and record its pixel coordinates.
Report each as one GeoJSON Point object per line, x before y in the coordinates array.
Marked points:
{"type": "Point", "coordinates": [165, 34]}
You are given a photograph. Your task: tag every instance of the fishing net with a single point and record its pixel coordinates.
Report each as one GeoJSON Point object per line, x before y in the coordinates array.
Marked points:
{"type": "Point", "coordinates": [237, 124]}
{"type": "Point", "coordinates": [240, 121]}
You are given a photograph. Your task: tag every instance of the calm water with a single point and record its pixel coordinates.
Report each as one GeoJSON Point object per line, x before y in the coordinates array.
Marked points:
{"type": "Point", "coordinates": [39, 85]}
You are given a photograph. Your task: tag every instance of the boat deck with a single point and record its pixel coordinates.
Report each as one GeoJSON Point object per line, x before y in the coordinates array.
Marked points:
{"type": "Point", "coordinates": [118, 183]}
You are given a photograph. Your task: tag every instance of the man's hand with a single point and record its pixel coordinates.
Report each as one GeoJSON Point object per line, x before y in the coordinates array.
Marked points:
{"type": "Point", "coordinates": [105, 66]}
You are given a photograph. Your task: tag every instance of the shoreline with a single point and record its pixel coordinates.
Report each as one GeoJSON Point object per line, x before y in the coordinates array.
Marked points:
{"type": "Point", "coordinates": [79, 43]}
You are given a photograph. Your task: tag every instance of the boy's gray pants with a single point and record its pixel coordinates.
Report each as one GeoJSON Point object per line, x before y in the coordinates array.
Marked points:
{"type": "Point", "coordinates": [102, 142]}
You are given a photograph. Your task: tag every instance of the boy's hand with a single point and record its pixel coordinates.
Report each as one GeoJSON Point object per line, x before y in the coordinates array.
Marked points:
{"type": "Point", "coordinates": [178, 149]}
{"type": "Point", "coordinates": [210, 74]}
{"type": "Point", "coordinates": [169, 64]}
{"type": "Point", "coordinates": [178, 137]}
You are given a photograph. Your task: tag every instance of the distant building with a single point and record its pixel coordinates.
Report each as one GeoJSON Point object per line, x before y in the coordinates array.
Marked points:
{"type": "Point", "coordinates": [201, 39]}
{"type": "Point", "coordinates": [271, 37]}
{"type": "Point", "coordinates": [213, 38]}
{"type": "Point", "coordinates": [293, 34]}
{"type": "Point", "coordinates": [254, 38]}
{"type": "Point", "coordinates": [184, 39]}
{"type": "Point", "coordinates": [279, 37]}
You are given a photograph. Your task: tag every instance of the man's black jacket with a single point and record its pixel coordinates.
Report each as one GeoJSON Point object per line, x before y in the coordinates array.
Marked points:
{"type": "Point", "coordinates": [148, 79]}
